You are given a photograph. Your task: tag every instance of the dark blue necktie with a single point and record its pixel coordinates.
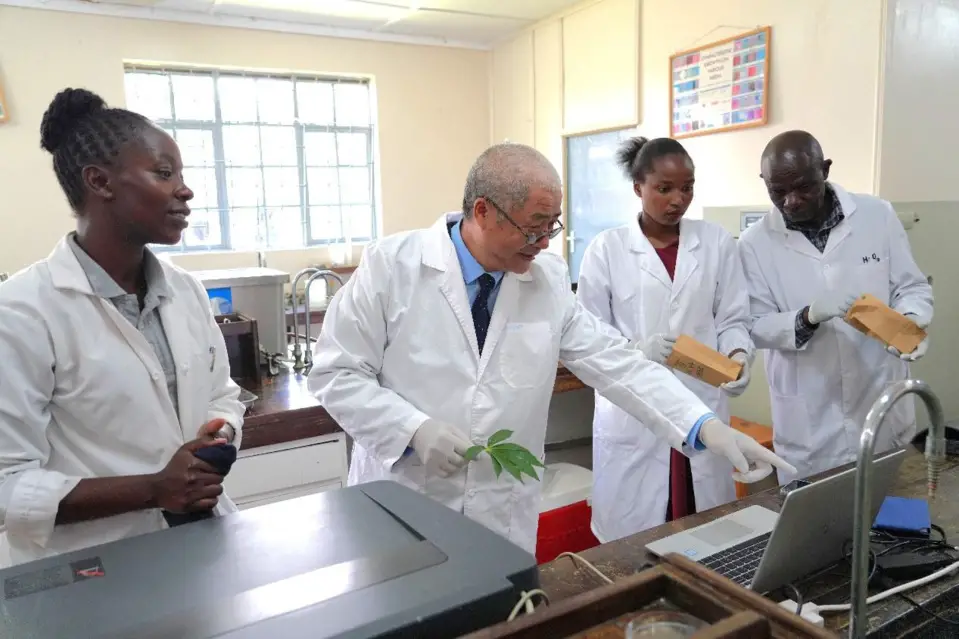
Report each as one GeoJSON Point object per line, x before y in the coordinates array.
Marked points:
{"type": "Point", "coordinates": [481, 313]}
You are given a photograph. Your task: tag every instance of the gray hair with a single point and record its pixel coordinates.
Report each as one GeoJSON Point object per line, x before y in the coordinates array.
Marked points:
{"type": "Point", "coordinates": [506, 173]}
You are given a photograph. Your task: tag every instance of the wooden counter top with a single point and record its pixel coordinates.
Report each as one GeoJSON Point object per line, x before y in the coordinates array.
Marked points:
{"type": "Point", "coordinates": [286, 411]}
{"type": "Point", "coordinates": [892, 618]}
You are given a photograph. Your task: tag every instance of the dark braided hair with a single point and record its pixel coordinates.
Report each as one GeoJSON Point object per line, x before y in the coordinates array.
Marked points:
{"type": "Point", "coordinates": [636, 155]}
{"type": "Point", "coordinates": [79, 130]}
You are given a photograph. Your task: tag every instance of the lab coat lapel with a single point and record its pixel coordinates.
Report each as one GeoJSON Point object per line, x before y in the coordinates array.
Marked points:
{"type": "Point", "coordinates": [507, 302]}
{"type": "Point", "coordinates": [439, 254]}
{"type": "Point", "coordinates": [178, 334]}
{"type": "Point", "coordinates": [792, 240]}
{"type": "Point", "coordinates": [686, 262]}
{"type": "Point", "coordinates": [649, 261]}
{"type": "Point", "coordinates": [844, 228]}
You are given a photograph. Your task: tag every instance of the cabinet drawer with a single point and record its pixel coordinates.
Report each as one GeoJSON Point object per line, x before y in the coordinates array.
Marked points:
{"type": "Point", "coordinates": [279, 471]}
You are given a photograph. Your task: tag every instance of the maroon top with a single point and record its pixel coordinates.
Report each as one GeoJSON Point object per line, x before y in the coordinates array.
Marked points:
{"type": "Point", "coordinates": [681, 501]}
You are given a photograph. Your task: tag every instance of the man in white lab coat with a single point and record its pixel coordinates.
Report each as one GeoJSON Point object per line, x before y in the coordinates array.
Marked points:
{"type": "Point", "coordinates": [805, 263]}
{"type": "Point", "coordinates": [446, 335]}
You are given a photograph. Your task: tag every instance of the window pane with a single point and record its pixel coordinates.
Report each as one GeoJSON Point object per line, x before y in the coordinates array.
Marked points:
{"type": "Point", "coordinates": [352, 149]}
{"type": "Point", "coordinates": [275, 99]}
{"type": "Point", "coordinates": [193, 97]}
{"type": "Point", "coordinates": [196, 147]}
{"type": "Point", "coordinates": [285, 227]}
{"type": "Point", "coordinates": [237, 98]}
{"type": "Point", "coordinates": [282, 187]}
{"type": "Point", "coordinates": [355, 186]}
{"type": "Point", "coordinates": [244, 187]}
{"type": "Point", "coordinates": [319, 148]}
{"type": "Point", "coordinates": [314, 101]}
{"type": "Point", "coordinates": [352, 103]}
{"type": "Point", "coordinates": [149, 94]}
{"type": "Point", "coordinates": [244, 229]}
{"type": "Point", "coordinates": [241, 145]}
{"type": "Point", "coordinates": [323, 186]}
{"type": "Point", "coordinates": [203, 184]}
{"type": "Point", "coordinates": [359, 220]}
{"type": "Point", "coordinates": [279, 145]}
{"type": "Point", "coordinates": [324, 223]}
{"type": "Point", "coordinates": [204, 230]}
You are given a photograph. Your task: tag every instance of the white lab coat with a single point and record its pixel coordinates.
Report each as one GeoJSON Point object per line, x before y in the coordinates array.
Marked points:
{"type": "Point", "coordinates": [398, 346]}
{"type": "Point", "coordinates": [623, 281]}
{"type": "Point", "coordinates": [820, 393]}
{"type": "Point", "coordinates": [82, 395]}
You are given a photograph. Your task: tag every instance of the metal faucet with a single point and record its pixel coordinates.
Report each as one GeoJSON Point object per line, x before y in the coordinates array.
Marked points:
{"type": "Point", "coordinates": [328, 276]}
{"type": "Point", "coordinates": [935, 452]}
{"type": "Point", "coordinates": [298, 363]}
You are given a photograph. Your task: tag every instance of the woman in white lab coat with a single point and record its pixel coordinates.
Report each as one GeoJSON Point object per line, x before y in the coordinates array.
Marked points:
{"type": "Point", "coordinates": [652, 280]}
{"type": "Point", "coordinates": [115, 372]}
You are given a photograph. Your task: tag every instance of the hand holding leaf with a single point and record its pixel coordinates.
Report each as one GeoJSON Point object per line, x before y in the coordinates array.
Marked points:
{"type": "Point", "coordinates": [507, 456]}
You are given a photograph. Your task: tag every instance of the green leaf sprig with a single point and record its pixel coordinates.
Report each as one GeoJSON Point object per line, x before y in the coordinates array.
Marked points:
{"type": "Point", "coordinates": [507, 456]}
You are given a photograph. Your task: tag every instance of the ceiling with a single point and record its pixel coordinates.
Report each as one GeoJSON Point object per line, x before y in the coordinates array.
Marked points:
{"type": "Point", "coordinates": [469, 23]}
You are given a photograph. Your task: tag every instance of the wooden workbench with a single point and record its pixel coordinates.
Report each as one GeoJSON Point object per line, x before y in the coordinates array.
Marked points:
{"type": "Point", "coordinates": [889, 619]}
{"type": "Point", "coordinates": [286, 411]}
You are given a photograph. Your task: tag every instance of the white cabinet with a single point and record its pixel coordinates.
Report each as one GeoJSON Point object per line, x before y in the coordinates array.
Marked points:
{"type": "Point", "coordinates": [282, 471]}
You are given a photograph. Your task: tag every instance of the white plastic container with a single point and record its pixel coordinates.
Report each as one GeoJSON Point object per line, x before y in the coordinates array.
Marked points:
{"type": "Point", "coordinates": [565, 484]}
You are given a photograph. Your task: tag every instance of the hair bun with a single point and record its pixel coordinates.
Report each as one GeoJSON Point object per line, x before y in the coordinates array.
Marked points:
{"type": "Point", "coordinates": [629, 151]}
{"type": "Point", "coordinates": [67, 108]}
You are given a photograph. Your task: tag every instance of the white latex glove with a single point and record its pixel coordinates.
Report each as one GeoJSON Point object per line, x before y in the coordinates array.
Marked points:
{"type": "Point", "coordinates": [923, 347]}
{"type": "Point", "coordinates": [657, 348]}
{"type": "Point", "coordinates": [739, 449]}
{"type": "Point", "coordinates": [831, 304]}
{"type": "Point", "coordinates": [737, 388]}
{"type": "Point", "coordinates": [440, 447]}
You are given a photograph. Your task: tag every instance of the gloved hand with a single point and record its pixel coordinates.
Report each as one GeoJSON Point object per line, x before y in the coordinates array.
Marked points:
{"type": "Point", "coordinates": [738, 448]}
{"type": "Point", "coordinates": [831, 304]}
{"type": "Point", "coordinates": [921, 322]}
{"type": "Point", "coordinates": [738, 387]}
{"type": "Point", "coordinates": [440, 447]}
{"type": "Point", "coordinates": [657, 348]}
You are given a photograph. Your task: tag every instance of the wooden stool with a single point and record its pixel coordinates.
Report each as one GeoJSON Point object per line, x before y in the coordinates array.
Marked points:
{"type": "Point", "coordinates": [762, 434]}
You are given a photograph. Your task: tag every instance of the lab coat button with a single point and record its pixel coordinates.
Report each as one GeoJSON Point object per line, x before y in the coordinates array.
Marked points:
{"type": "Point", "coordinates": [155, 376]}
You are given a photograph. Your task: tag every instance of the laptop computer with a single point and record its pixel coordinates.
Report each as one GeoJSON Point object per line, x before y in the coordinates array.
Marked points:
{"type": "Point", "coordinates": [762, 550]}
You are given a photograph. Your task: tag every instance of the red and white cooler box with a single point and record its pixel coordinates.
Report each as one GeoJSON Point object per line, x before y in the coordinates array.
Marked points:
{"type": "Point", "coordinates": [564, 512]}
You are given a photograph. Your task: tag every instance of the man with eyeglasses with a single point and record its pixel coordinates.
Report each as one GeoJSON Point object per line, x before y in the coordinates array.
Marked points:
{"type": "Point", "coordinates": [444, 336]}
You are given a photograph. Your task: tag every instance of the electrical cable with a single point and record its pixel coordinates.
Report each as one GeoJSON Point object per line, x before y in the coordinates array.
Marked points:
{"type": "Point", "coordinates": [928, 579]}
{"type": "Point", "coordinates": [797, 597]}
{"type": "Point", "coordinates": [526, 601]}
{"type": "Point", "coordinates": [576, 558]}
{"type": "Point", "coordinates": [935, 615]}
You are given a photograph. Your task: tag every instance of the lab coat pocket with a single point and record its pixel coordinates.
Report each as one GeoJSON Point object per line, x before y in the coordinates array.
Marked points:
{"type": "Point", "coordinates": [527, 354]}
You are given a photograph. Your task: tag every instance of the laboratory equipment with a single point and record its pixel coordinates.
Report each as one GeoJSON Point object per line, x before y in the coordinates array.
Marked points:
{"type": "Point", "coordinates": [374, 560]}
{"type": "Point", "coordinates": [308, 310]}
{"type": "Point", "coordinates": [255, 292]}
{"type": "Point", "coordinates": [935, 452]}
{"type": "Point", "coordinates": [298, 363]}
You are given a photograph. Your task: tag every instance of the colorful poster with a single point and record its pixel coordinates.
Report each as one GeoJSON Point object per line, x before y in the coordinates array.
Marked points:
{"type": "Point", "coordinates": [720, 87]}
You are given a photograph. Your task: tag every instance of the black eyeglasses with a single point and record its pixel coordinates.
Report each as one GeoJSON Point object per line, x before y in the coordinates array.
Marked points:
{"type": "Point", "coordinates": [554, 228]}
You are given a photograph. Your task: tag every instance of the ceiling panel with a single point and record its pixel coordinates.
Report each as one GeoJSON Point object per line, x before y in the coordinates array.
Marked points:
{"type": "Point", "coordinates": [523, 9]}
{"type": "Point", "coordinates": [455, 27]}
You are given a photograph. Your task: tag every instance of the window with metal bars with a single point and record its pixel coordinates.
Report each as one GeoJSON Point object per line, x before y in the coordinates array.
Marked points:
{"type": "Point", "coordinates": [274, 161]}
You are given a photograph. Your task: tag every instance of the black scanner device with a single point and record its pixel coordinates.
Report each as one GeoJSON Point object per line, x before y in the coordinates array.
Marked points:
{"type": "Point", "coordinates": [221, 457]}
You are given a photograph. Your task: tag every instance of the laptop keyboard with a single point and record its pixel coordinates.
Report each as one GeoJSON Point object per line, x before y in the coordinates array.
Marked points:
{"type": "Point", "coordinates": [740, 562]}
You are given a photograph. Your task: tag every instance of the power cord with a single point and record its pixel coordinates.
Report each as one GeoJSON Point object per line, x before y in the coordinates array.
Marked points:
{"type": "Point", "coordinates": [577, 559]}
{"type": "Point", "coordinates": [526, 597]}
{"type": "Point", "coordinates": [923, 608]}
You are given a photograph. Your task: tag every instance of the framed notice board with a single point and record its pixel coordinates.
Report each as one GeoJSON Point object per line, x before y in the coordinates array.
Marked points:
{"type": "Point", "coordinates": [722, 86]}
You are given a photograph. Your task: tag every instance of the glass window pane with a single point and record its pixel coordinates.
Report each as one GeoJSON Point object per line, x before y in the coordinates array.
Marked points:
{"type": "Point", "coordinates": [245, 229]}
{"type": "Point", "coordinates": [203, 184]}
{"type": "Point", "coordinates": [241, 145]}
{"type": "Point", "coordinates": [355, 186]}
{"type": "Point", "coordinates": [352, 103]}
{"type": "Point", "coordinates": [325, 223]}
{"type": "Point", "coordinates": [275, 100]}
{"type": "Point", "coordinates": [204, 230]}
{"type": "Point", "coordinates": [359, 220]}
{"type": "Point", "coordinates": [244, 187]}
{"type": "Point", "coordinates": [237, 98]}
{"type": "Point", "coordinates": [279, 145]}
{"type": "Point", "coordinates": [285, 227]}
{"type": "Point", "coordinates": [323, 186]}
{"type": "Point", "coordinates": [193, 97]}
{"type": "Point", "coordinates": [196, 147]}
{"type": "Point", "coordinates": [282, 187]}
{"type": "Point", "coordinates": [352, 149]}
{"type": "Point", "coordinates": [319, 148]}
{"type": "Point", "coordinates": [149, 94]}
{"type": "Point", "coordinates": [314, 101]}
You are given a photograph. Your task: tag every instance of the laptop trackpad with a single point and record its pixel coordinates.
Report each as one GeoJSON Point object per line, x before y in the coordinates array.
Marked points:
{"type": "Point", "coordinates": [722, 532]}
